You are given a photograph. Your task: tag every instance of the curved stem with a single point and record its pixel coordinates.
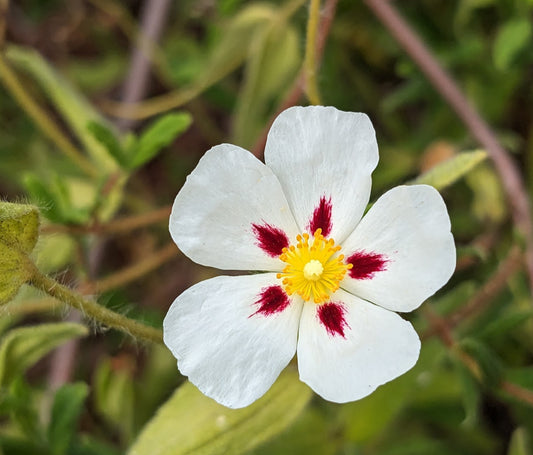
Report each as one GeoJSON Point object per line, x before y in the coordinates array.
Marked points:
{"type": "Point", "coordinates": [311, 86]}
{"type": "Point", "coordinates": [39, 116]}
{"type": "Point", "coordinates": [135, 271]}
{"type": "Point", "coordinates": [93, 310]}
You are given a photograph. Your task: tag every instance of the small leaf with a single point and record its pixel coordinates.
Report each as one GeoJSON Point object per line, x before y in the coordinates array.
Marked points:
{"type": "Point", "coordinates": [22, 347]}
{"type": "Point", "coordinates": [158, 135]}
{"type": "Point", "coordinates": [19, 225]}
{"type": "Point", "coordinates": [68, 404]}
{"type": "Point", "coordinates": [512, 37]}
{"type": "Point", "coordinates": [209, 428]}
{"type": "Point", "coordinates": [108, 139]}
{"type": "Point", "coordinates": [448, 172]}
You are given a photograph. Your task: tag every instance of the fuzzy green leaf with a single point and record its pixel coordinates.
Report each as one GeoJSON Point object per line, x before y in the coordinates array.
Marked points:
{"type": "Point", "coordinates": [68, 404]}
{"type": "Point", "coordinates": [449, 171]}
{"type": "Point", "coordinates": [209, 428]}
{"type": "Point", "coordinates": [158, 135]}
{"type": "Point", "coordinates": [520, 443]}
{"type": "Point", "coordinates": [22, 347]}
{"type": "Point", "coordinates": [14, 272]}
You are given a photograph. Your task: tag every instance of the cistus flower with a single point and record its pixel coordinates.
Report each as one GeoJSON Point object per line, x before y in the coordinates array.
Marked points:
{"type": "Point", "coordinates": [331, 281]}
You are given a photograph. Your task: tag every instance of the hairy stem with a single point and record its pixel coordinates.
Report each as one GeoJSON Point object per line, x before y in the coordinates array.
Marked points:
{"type": "Point", "coordinates": [95, 311]}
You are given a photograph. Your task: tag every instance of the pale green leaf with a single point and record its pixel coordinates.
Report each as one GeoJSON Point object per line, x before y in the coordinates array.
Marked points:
{"type": "Point", "coordinates": [68, 404]}
{"type": "Point", "coordinates": [76, 110]}
{"type": "Point", "coordinates": [449, 171]}
{"type": "Point", "coordinates": [190, 423]}
{"type": "Point", "coordinates": [158, 135]}
{"type": "Point", "coordinates": [512, 38]}
{"type": "Point", "coordinates": [19, 225]}
{"type": "Point", "coordinates": [20, 348]}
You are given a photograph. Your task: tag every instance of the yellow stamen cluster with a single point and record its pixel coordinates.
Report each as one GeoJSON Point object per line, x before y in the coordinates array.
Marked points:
{"type": "Point", "coordinates": [314, 270]}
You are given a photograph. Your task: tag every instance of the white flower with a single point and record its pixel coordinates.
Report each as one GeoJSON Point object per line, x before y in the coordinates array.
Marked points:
{"type": "Point", "coordinates": [332, 282]}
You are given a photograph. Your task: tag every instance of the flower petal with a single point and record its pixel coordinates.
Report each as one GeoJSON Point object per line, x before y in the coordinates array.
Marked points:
{"type": "Point", "coordinates": [232, 337]}
{"type": "Point", "coordinates": [357, 347]}
{"type": "Point", "coordinates": [217, 216]}
{"type": "Point", "coordinates": [323, 158]}
{"type": "Point", "coordinates": [403, 250]}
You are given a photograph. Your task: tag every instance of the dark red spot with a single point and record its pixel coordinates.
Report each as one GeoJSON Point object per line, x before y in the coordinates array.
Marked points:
{"type": "Point", "coordinates": [366, 265]}
{"type": "Point", "coordinates": [270, 239]}
{"type": "Point", "coordinates": [331, 316]}
{"type": "Point", "coordinates": [321, 217]}
{"type": "Point", "coordinates": [272, 300]}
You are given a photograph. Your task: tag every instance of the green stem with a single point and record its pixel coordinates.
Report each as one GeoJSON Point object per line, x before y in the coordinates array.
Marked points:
{"type": "Point", "coordinates": [40, 117]}
{"type": "Point", "coordinates": [311, 86]}
{"type": "Point", "coordinates": [95, 311]}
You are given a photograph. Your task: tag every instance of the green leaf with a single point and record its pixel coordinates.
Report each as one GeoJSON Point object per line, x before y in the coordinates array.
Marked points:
{"type": "Point", "coordinates": [19, 226]}
{"type": "Point", "coordinates": [512, 38]}
{"type": "Point", "coordinates": [158, 135]}
{"type": "Point", "coordinates": [205, 427]}
{"type": "Point", "coordinates": [68, 404]}
{"type": "Point", "coordinates": [109, 140]}
{"type": "Point", "coordinates": [75, 108]}
{"type": "Point", "coordinates": [448, 172]}
{"type": "Point", "coordinates": [520, 443]}
{"type": "Point", "coordinates": [22, 347]}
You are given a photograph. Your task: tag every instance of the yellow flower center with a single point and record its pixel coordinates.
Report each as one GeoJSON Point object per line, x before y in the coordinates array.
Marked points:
{"type": "Point", "coordinates": [314, 270]}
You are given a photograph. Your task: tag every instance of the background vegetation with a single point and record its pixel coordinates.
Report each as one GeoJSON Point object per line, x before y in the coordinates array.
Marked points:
{"type": "Point", "coordinates": [106, 106]}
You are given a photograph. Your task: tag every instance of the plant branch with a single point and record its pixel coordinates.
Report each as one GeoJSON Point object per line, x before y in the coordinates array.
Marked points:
{"type": "Point", "coordinates": [297, 89]}
{"type": "Point", "coordinates": [95, 311]}
{"type": "Point", "coordinates": [42, 119]}
{"type": "Point", "coordinates": [125, 224]}
{"type": "Point", "coordinates": [310, 64]}
{"type": "Point", "coordinates": [133, 272]}
{"type": "Point", "coordinates": [449, 90]}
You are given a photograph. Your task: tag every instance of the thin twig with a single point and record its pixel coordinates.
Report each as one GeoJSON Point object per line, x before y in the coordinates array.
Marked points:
{"type": "Point", "coordinates": [134, 272]}
{"type": "Point", "coordinates": [449, 90]}
{"type": "Point", "coordinates": [488, 292]}
{"type": "Point", "coordinates": [295, 93]}
{"type": "Point", "coordinates": [118, 226]}
{"type": "Point", "coordinates": [153, 16]}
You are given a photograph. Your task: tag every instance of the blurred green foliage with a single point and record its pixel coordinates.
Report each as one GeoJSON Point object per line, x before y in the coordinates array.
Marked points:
{"type": "Point", "coordinates": [219, 73]}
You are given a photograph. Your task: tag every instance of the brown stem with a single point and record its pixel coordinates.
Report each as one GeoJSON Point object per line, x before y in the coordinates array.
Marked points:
{"type": "Point", "coordinates": [125, 224]}
{"type": "Point", "coordinates": [133, 272]}
{"type": "Point", "coordinates": [449, 90]}
{"type": "Point", "coordinates": [488, 292]}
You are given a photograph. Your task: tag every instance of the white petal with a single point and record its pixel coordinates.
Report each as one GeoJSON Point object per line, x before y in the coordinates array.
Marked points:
{"type": "Point", "coordinates": [318, 152]}
{"type": "Point", "coordinates": [378, 346]}
{"type": "Point", "coordinates": [410, 227]}
{"type": "Point", "coordinates": [229, 351]}
{"type": "Point", "coordinates": [212, 215]}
